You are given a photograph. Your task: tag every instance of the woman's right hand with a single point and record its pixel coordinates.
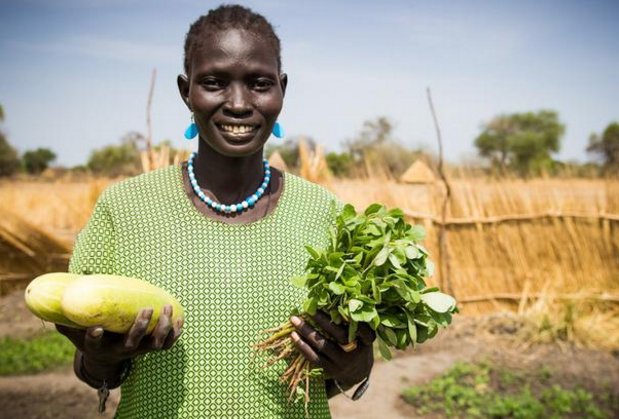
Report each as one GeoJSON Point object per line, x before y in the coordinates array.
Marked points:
{"type": "Point", "coordinates": [101, 348]}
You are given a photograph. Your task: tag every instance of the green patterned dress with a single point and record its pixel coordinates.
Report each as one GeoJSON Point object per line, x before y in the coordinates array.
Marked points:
{"type": "Point", "coordinates": [232, 280]}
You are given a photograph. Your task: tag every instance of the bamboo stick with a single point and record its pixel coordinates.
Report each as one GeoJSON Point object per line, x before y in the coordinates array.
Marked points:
{"type": "Point", "coordinates": [605, 297]}
{"type": "Point", "coordinates": [511, 217]}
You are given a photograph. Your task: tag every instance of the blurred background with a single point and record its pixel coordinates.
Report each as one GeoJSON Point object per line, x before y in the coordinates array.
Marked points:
{"type": "Point", "coordinates": [493, 124]}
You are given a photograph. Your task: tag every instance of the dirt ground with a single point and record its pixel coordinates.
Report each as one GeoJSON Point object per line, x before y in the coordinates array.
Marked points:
{"type": "Point", "coordinates": [58, 394]}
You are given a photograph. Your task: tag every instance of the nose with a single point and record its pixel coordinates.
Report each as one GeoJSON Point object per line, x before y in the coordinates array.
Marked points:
{"type": "Point", "coordinates": [238, 103]}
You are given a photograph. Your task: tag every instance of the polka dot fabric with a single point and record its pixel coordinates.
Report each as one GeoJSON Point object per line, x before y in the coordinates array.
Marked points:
{"type": "Point", "coordinates": [232, 280]}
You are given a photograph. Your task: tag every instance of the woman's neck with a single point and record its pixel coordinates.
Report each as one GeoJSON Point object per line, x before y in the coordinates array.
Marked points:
{"type": "Point", "coordinates": [229, 179]}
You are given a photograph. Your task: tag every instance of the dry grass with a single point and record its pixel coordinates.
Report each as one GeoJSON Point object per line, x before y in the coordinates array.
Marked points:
{"type": "Point", "coordinates": [38, 224]}
{"type": "Point", "coordinates": [60, 208]}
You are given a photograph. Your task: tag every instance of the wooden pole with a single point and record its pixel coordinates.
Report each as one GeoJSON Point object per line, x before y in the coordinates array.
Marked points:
{"type": "Point", "coordinates": [510, 217]}
{"type": "Point", "coordinates": [149, 129]}
{"type": "Point", "coordinates": [444, 267]}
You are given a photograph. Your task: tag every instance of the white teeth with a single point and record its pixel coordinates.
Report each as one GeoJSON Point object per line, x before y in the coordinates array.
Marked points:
{"type": "Point", "coordinates": [237, 129]}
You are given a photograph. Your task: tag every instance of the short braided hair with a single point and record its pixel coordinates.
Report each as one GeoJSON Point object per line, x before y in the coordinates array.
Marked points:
{"type": "Point", "coordinates": [228, 17]}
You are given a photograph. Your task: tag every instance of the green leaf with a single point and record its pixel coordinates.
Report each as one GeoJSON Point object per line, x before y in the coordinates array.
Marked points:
{"type": "Point", "coordinates": [396, 212]}
{"type": "Point", "coordinates": [358, 257]}
{"type": "Point", "coordinates": [332, 269]}
{"type": "Point", "coordinates": [422, 334]}
{"type": "Point", "coordinates": [429, 268]}
{"type": "Point", "coordinates": [348, 212]}
{"type": "Point", "coordinates": [335, 258]}
{"type": "Point", "coordinates": [415, 296]}
{"type": "Point", "coordinates": [309, 306]}
{"type": "Point", "coordinates": [381, 257]}
{"type": "Point", "coordinates": [373, 230]}
{"type": "Point", "coordinates": [383, 349]}
{"type": "Point", "coordinates": [339, 271]}
{"type": "Point", "coordinates": [299, 281]}
{"type": "Point", "coordinates": [366, 314]}
{"type": "Point", "coordinates": [439, 302]}
{"type": "Point", "coordinates": [337, 288]}
{"type": "Point", "coordinates": [351, 281]}
{"type": "Point", "coordinates": [394, 261]}
{"type": "Point", "coordinates": [412, 252]}
{"type": "Point", "coordinates": [412, 329]}
{"type": "Point", "coordinates": [443, 319]}
{"type": "Point", "coordinates": [402, 339]}
{"type": "Point", "coordinates": [335, 316]}
{"type": "Point", "coordinates": [417, 233]}
{"type": "Point", "coordinates": [375, 322]}
{"type": "Point", "coordinates": [390, 335]}
{"type": "Point", "coordinates": [354, 305]}
{"type": "Point", "coordinates": [391, 320]}
{"type": "Point", "coordinates": [375, 292]}
{"type": "Point", "coordinates": [374, 208]}
{"type": "Point", "coordinates": [313, 252]}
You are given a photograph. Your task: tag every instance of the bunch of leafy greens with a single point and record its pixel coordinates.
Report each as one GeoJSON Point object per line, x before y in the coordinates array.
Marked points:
{"type": "Point", "coordinates": [373, 271]}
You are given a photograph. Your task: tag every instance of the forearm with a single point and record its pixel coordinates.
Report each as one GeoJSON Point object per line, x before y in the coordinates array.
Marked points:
{"type": "Point", "coordinates": [94, 373]}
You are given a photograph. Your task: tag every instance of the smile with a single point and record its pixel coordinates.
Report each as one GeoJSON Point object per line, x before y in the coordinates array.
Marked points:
{"type": "Point", "coordinates": [237, 129]}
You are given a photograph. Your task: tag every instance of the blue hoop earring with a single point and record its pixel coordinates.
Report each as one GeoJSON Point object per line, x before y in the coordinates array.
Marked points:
{"type": "Point", "coordinates": [192, 130]}
{"type": "Point", "coordinates": [278, 130]}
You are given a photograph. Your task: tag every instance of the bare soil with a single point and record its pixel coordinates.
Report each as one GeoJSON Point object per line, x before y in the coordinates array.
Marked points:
{"type": "Point", "coordinates": [58, 394]}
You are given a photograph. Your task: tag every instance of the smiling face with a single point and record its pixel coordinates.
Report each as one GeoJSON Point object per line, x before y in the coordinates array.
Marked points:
{"type": "Point", "coordinates": [235, 91]}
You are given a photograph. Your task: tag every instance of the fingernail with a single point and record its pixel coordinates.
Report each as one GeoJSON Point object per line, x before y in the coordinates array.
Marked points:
{"type": "Point", "coordinates": [96, 333]}
{"type": "Point", "coordinates": [167, 310]}
{"type": "Point", "coordinates": [294, 336]}
{"type": "Point", "coordinates": [295, 320]}
{"type": "Point", "coordinates": [147, 313]}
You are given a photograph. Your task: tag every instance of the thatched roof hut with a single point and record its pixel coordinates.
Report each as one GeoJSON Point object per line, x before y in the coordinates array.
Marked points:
{"type": "Point", "coordinates": [418, 172]}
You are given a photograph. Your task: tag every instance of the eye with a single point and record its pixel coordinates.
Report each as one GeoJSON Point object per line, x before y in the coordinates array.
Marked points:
{"type": "Point", "coordinates": [262, 84]}
{"type": "Point", "coordinates": [212, 83]}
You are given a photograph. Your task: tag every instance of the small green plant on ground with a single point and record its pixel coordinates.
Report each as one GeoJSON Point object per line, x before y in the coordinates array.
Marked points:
{"type": "Point", "coordinates": [486, 391]}
{"type": "Point", "coordinates": [24, 356]}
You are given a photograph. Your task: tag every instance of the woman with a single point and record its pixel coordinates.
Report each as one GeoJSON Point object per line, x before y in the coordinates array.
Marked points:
{"type": "Point", "coordinates": [223, 233]}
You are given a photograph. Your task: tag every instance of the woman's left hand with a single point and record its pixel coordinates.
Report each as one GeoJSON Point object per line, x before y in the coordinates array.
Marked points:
{"type": "Point", "coordinates": [348, 368]}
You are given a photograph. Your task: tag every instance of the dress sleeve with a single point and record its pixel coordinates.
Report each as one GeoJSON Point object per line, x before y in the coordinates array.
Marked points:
{"type": "Point", "coordinates": [95, 248]}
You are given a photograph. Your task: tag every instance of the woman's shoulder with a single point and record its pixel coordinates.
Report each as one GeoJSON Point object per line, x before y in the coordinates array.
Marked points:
{"type": "Point", "coordinates": [310, 195]}
{"type": "Point", "coordinates": [158, 182]}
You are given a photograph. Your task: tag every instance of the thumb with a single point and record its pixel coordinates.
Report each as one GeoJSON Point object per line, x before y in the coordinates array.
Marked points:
{"type": "Point", "coordinates": [93, 338]}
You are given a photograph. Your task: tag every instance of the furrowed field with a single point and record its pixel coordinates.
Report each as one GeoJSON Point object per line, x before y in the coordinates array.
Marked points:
{"type": "Point", "coordinates": [534, 265]}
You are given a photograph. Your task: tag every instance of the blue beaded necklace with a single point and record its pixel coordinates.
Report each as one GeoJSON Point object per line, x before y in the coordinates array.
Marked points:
{"type": "Point", "coordinates": [232, 208]}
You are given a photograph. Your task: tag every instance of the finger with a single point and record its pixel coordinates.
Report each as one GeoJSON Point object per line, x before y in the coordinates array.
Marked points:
{"type": "Point", "coordinates": [318, 342]}
{"type": "Point", "coordinates": [306, 350]}
{"type": "Point", "coordinates": [92, 339]}
{"type": "Point", "coordinates": [339, 333]}
{"type": "Point", "coordinates": [164, 324]}
{"type": "Point", "coordinates": [174, 334]}
{"type": "Point", "coordinates": [138, 329]}
{"type": "Point", "coordinates": [366, 334]}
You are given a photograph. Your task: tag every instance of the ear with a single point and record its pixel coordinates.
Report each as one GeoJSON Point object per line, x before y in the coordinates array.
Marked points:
{"type": "Point", "coordinates": [183, 88]}
{"type": "Point", "coordinates": [283, 82]}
